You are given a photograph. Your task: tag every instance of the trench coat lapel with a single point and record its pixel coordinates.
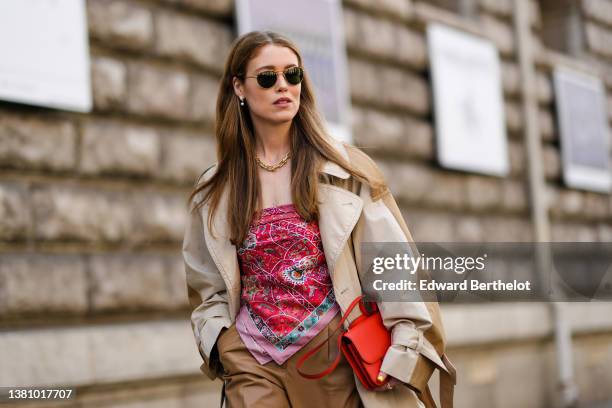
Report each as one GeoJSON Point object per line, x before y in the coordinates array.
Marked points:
{"type": "Point", "coordinates": [339, 211]}
{"type": "Point", "coordinates": [222, 251]}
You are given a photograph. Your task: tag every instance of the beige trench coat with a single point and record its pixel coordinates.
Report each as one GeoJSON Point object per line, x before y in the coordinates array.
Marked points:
{"type": "Point", "coordinates": [347, 218]}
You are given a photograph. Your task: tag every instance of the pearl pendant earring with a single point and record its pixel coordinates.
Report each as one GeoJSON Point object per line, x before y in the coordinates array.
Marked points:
{"type": "Point", "coordinates": [241, 101]}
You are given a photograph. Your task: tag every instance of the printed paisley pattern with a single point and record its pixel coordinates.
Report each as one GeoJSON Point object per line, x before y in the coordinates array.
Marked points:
{"type": "Point", "coordinates": [286, 287]}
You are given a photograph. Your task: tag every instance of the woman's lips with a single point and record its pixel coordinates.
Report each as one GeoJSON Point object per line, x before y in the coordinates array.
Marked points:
{"type": "Point", "coordinates": [282, 101]}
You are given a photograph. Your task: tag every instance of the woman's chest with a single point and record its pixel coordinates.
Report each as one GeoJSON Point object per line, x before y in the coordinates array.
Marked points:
{"type": "Point", "coordinates": [280, 239]}
{"type": "Point", "coordinates": [275, 187]}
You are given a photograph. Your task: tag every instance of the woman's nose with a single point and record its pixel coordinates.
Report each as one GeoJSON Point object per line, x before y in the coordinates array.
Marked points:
{"type": "Point", "coordinates": [281, 82]}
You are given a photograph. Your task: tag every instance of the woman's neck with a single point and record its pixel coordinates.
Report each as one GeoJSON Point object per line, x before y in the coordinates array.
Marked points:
{"type": "Point", "coordinates": [272, 141]}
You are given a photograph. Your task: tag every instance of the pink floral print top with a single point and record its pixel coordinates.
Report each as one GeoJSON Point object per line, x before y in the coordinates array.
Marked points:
{"type": "Point", "coordinates": [287, 296]}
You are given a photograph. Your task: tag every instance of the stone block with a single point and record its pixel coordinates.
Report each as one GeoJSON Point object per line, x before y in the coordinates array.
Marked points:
{"type": "Point", "coordinates": [98, 354]}
{"type": "Point", "coordinates": [15, 218]}
{"type": "Point", "coordinates": [109, 83]}
{"type": "Point", "coordinates": [604, 231]}
{"type": "Point", "coordinates": [478, 391]}
{"type": "Point", "coordinates": [500, 7]}
{"type": "Point", "coordinates": [514, 116]}
{"type": "Point", "coordinates": [442, 12]}
{"type": "Point", "coordinates": [375, 35]}
{"type": "Point", "coordinates": [420, 138]}
{"type": "Point", "coordinates": [551, 195]}
{"type": "Point", "coordinates": [411, 47]}
{"type": "Point", "coordinates": [599, 10]}
{"type": "Point", "coordinates": [177, 286]}
{"type": "Point", "coordinates": [567, 202]}
{"type": "Point", "coordinates": [128, 282]}
{"type": "Point", "coordinates": [403, 89]}
{"type": "Point", "coordinates": [516, 157]}
{"type": "Point", "coordinates": [71, 213]}
{"type": "Point", "coordinates": [384, 39]}
{"type": "Point", "coordinates": [573, 232]}
{"type": "Point", "coordinates": [350, 22]}
{"type": "Point", "coordinates": [409, 182]}
{"type": "Point", "coordinates": [186, 156]}
{"type": "Point", "coordinates": [482, 193]}
{"type": "Point", "coordinates": [593, 358]}
{"type": "Point", "coordinates": [552, 162]}
{"type": "Point", "coordinates": [115, 148]}
{"type": "Point", "coordinates": [429, 226]}
{"type": "Point", "coordinates": [595, 205]}
{"type": "Point", "coordinates": [545, 88]}
{"type": "Point", "coordinates": [186, 393]}
{"type": "Point", "coordinates": [195, 39]}
{"type": "Point", "coordinates": [598, 39]}
{"type": "Point", "coordinates": [358, 120]}
{"type": "Point", "coordinates": [388, 87]}
{"type": "Point", "coordinates": [500, 32]}
{"type": "Point", "coordinates": [120, 23]}
{"type": "Point", "coordinates": [144, 350]}
{"type": "Point", "coordinates": [548, 127]}
{"type": "Point", "coordinates": [392, 133]}
{"type": "Point", "coordinates": [398, 9]}
{"type": "Point", "coordinates": [28, 142]}
{"type": "Point", "coordinates": [447, 191]}
{"type": "Point", "coordinates": [570, 202]}
{"type": "Point", "coordinates": [157, 91]}
{"type": "Point", "coordinates": [469, 229]}
{"type": "Point", "coordinates": [511, 78]}
{"type": "Point", "coordinates": [362, 79]}
{"type": "Point", "coordinates": [512, 365]}
{"type": "Point", "coordinates": [164, 220]}
{"type": "Point", "coordinates": [472, 324]}
{"type": "Point", "coordinates": [535, 14]}
{"type": "Point", "coordinates": [204, 98]}
{"type": "Point", "coordinates": [514, 196]}
{"type": "Point", "coordinates": [507, 228]}
{"type": "Point", "coordinates": [605, 72]}
{"type": "Point", "coordinates": [38, 283]}
{"type": "Point", "coordinates": [222, 8]}
{"type": "Point", "coordinates": [43, 357]}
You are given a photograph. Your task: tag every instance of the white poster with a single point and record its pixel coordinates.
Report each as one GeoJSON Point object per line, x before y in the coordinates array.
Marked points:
{"type": "Point", "coordinates": [468, 102]}
{"type": "Point", "coordinates": [583, 125]}
{"type": "Point", "coordinates": [44, 53]}
{"type": "Point", "coordinates": [316, 28]}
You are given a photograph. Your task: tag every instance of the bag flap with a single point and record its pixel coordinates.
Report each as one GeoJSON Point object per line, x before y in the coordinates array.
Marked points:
{"type": "Point", "coordinates": [370, 338]}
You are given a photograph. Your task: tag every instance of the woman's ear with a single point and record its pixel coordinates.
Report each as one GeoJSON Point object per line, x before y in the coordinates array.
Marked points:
{"type": "Point", "coordinates": [238, 88]}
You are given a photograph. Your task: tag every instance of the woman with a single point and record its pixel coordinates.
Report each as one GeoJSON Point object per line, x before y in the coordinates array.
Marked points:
{"type": "Point", "coordinates": [272, 246]}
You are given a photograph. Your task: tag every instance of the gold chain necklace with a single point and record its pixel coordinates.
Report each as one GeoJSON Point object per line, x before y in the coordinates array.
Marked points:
{"type": "Point", "coordinates": [272, 167]}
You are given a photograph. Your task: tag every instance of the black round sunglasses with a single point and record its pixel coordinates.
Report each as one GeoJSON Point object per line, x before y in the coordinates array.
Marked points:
{"type": "Point", "coordinates": [267, 79]}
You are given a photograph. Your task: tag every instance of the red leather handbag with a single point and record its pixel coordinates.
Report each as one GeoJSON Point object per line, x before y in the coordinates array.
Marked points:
{"type": "Point", "coordinates": [364, 345]}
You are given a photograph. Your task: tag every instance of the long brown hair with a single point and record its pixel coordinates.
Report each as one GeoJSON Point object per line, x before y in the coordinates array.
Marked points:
{"type": "Point", "coordinates": [236, 166]}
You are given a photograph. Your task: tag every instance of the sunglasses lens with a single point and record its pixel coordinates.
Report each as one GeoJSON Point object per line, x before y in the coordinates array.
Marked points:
{"type": "Point", "coordinates": [266, 79]}
{"type": "Point", "coordinates": [294, 75]}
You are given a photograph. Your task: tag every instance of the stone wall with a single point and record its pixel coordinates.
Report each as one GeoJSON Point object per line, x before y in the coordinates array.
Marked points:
{"type": "Point", "coordinates": [93, 205]}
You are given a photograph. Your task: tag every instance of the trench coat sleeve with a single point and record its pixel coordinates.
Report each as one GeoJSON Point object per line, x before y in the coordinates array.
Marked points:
{"type": "Point", "coordinates": [207, 293]}
{"type": "Point", "coordinates": [407, 320]}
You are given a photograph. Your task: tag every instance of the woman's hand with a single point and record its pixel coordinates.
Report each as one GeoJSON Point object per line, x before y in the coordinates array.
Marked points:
{"type": "Point", "coordinates": [390, 385]}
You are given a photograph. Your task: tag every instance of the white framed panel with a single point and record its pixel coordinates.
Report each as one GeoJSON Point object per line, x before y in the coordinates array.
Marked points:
{"type": "Point", "coordinates": [316, 28]}
{"type": "Point", "coordinates": [45, 53]}
{"type": "Point", "coordinates": [468, 102]}
{"type": "Point", "coordinates": [583, 125]}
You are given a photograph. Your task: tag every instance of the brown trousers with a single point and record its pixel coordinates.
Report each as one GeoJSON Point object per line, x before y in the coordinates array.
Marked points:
{"type": "Point", "coordinates": [250, 384]}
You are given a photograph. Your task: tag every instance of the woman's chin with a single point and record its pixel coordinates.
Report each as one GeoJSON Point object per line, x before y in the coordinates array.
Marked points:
{"type": "Point", "coordinates": [281, 117]}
